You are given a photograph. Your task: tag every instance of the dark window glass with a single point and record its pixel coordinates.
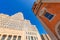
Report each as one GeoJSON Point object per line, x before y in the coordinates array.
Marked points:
{"type": "Point", "coordinates": [9, 37]}
{"type": "Point", "coordinates": [3, 37]}
{"type": "Point", "coordinates": [19, 37]}
{"type": "Point", "coordinates": [42, 37]}
{"type": "Point", "coordinates": [48, 15]}
{"type": "Point", "coordinates": [31, 38]}
{"type": "Point", "coordinates": [14, 37]}
{"type": "Point", "coordinates": [26, 37]}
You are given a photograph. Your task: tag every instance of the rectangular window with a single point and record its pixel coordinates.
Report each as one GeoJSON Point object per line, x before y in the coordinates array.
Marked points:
{"type": "Point", "coordinates": [31, 38]}
{"type": "Point", "coordinates": [28, 37]}
{"type": "Point", "coordinates": [14, 37]}
{"type": "Point", "coordinates": [48, 16]}
{"type": "Point", "coordinates": [35, 38]}
{"type": "Point", "coordinates": [19, 37]}
{"type": "Point", "coordinates": [3, 37]}
{"type": "Point", "coordinates": [9, 37]}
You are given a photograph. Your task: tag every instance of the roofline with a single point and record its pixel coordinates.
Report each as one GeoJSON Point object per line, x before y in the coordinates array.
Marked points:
{"type": "Point", "coordinates": [49, 1]}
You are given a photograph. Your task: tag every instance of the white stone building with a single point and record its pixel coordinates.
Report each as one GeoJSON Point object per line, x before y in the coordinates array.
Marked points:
{"type": "Point", "coordinates": [15, 27]}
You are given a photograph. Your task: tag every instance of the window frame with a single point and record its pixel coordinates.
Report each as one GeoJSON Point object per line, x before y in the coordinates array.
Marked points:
{"type": "Point", "coordinates": [47, 17]}
{"type": "Point", "coordinates": [44, 10]}
{"type": "Point", "coordinates": [19, 38]}
{"type": "Point", "coordinates": [3, 37]}
{"type": "Point", "coordinates": [14, 37]}
{"type": "Point", "coordinates": [9, 37]}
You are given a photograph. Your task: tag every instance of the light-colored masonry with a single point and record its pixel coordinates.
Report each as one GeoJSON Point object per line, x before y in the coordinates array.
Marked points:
{"type": "Point", "coordinates": [15, 27]}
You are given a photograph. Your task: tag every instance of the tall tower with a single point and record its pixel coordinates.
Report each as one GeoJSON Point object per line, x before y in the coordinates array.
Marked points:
{"type": "Point", "coordinates": [48, 12]}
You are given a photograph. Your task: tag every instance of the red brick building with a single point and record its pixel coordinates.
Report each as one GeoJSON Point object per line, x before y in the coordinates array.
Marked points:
{"type": "Point", "coordinates": [48, 12]}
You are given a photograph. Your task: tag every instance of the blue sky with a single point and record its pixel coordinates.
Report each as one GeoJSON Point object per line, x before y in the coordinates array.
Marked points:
{"type": "Point", "coordinates": [11, 7]}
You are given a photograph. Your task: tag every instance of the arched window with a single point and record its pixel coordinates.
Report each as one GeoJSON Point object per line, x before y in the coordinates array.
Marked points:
{"type": "Point", "coordinates": [57, 29]}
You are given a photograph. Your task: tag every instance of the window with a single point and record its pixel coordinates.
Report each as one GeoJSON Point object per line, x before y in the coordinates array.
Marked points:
{"type": "Point", "coordinates": [35, 38]}
{"type": "Point", "coordinates": [31, 38]}
{"type": "Point", "coordinates": [28, 37]}
{"type": "Point", "coordinates": [42, 37]}
{"type": "Point", "coordinates": [48, 16]}
{"type": "Point", "coordinates": [9, 37]}
{"type": "Point", "coordinates": [14, 37]}
{"type": "Point", "coordinates": [19, 37]}
{"type": "Point", "coordinates": [57, 29]}
{"type": "Point", "coordinates": [3, 37]}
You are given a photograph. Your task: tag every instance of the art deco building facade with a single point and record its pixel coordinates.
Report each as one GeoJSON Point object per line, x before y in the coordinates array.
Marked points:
{"type": "Point", "coordinates": [48, 12]}
{"type": "Point", "coordinates": [15, 27]}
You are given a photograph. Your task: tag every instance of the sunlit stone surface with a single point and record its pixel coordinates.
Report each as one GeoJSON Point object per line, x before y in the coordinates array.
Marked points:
{"type": "Point", "coordinates": [16, 27]}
